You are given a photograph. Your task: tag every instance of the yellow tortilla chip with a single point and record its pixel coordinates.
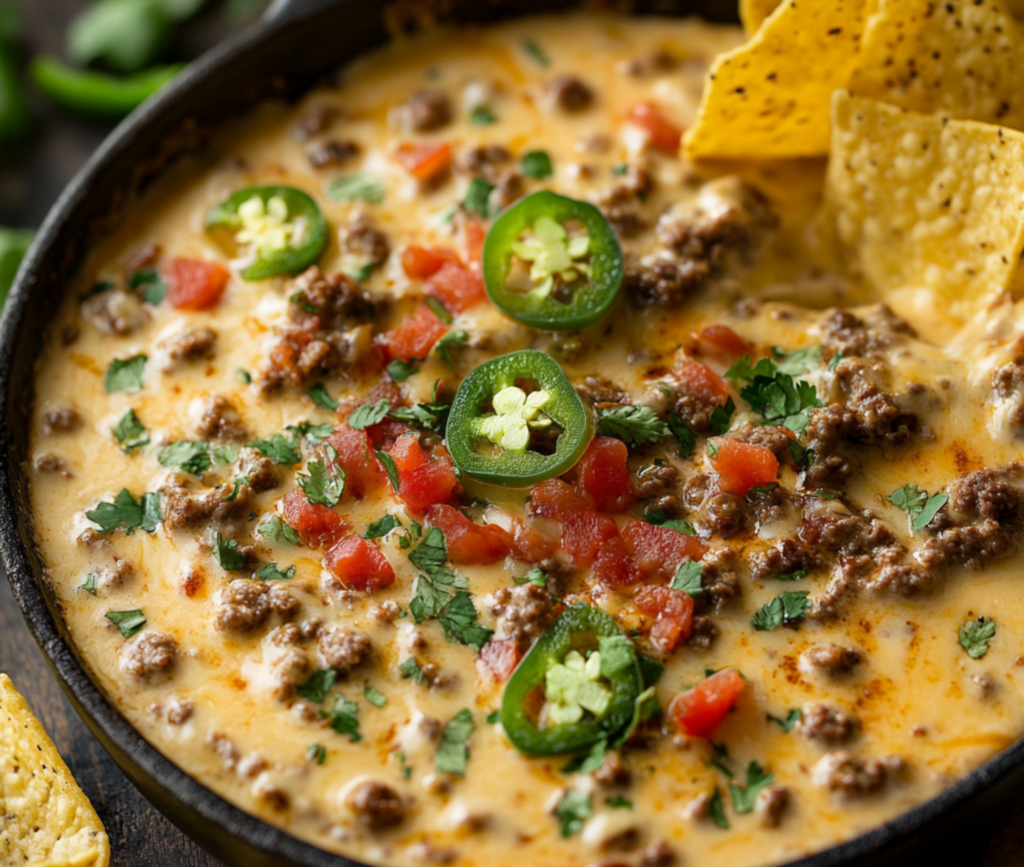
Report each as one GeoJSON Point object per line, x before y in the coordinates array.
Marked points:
{"type": "Point", "coordinates": [753, 12]}
{"type": "Point", "coordinates": [1015, 7]}
{"type": "Point", "coordinates": [45, 819]}
{"type": "Point", "coordinates": [962, 58]}
{"type": "Point", "coordinates": [770, 98]}
{"type": "Point", "coordinates": [920, 201]}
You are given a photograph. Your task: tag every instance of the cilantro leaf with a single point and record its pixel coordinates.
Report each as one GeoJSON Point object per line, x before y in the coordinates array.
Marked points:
{"type": "Point", "coordinates": [459, 620]}
{"type": "Point", "coordinates": [388, 463]}
{"type": "Point", "coordinates": [317, 686]}
{"type": "Point", "coordinates": [244, 376]}
{"type": "Point", "coordinates": [314, 433]}
{"type": "Point", "coordinates": [127, 513]}
{"type": "Point", "coordinates": [721, 418]}
{"type": "Point", "coordinates": [279, 448]}
{"type": "Point", "coordinates": [379, 529]}
{"type": "Point", "coordinates": [275, 529]}
{"type": "Point", "coordinates": [320, 486]}
{"type": "Point", "coordinates": [688, 578]}
{"type": "Point", "coordinates": [272, 572]}
{"type": "Point", "coordinates": [368, 414]}
{"type": "Point", "coordinates": [482, 116]}
{"type": "Point", "coordinates": [800, 361]}
{"type": "Point", "coordinates": [410, 670]}
{"type": "Point", "coordinates": [400, 370]}
{"type": "Point", "coordinates": [803, 457]}
{"type": "Point", "coordinates": [453, 752]}
{"type": "Point", "coordinates": [784, 608]}
{"type": "Point", "coordinates": [792, 718]}
{"type": "Point", "coordinates": [743, 799]}
{"type": "Point", "coordinates": [774, 393]}
{"type": "Point", "coordinates": [619, 802]}
{"type": "Point", "coordinates": [687, 441]}
{"type": "Point", "coordinates": [425, 416]}
{"type": "Point", "coordinates": [127, 622]}
{"type": "Point", "coordinates": [130, 432]}
{"type": "Point", "coordinates": [358, 187]}
{"type": "Point", "coordinates": [317, 753]}
{"type": "Point", "coordinates": [917, 504]}
{"type": "Point", "coordinates": [536, 165]}
{"type": "Point", "coordinates": [717, 811]}
{"type": "Point", "coordinates": [617, 654]}
{"type": "Point", "coordinates": [434, 590]}
{"type": "Point", "coordinates": [443, 348]}
{"type": "Point", "coordinates": [476, 200]}
{"type": "Point", "coordinates": [125, 375]}
{"type": "Point", "coordinates": [536, 575]}
{"type": "Point", "coordinates": [150, 287]}
{"type": "Point", "coordinates": [191, 457]}
{"type": "Point", "coordinates": [634, 425]}
{"type": "Point", "coordinates": [742, 370]}
{"type": "Point", "coordinates": [573, 811]}
{"type": "Point", "coordinates": [535, 51]}
{"type": "Point", "coordinates": [492, 718]}
{"type": "Point", "coordinates": [795, 575]}
{"type": "Point", "coordinates": [228, 555]}
{"type": "Point", "coordinates": [439, 310]}
{"type": "Point", "coordinates": [975, 636]}
{"type": "Point", "coordinates": [321, 397]}
{"type": "Point", "coordinates": [377, 699]}
{"type": "Point", "coordinates": [89, 585]}
{"type": "Point", "coordinates": [588, 763]}
{"type": "Point", "coordinates": [343, 717]}
{"type": "Point", "coordinates": [223, 455]}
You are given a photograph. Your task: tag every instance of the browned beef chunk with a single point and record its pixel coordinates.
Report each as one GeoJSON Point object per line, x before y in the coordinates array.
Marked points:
{"type": "Point", "coordinates": [845, 332]}
{"type": "Point", "coordinates": [826, 724]}
{"type": "Point", "coordinates": [361, 239]}
{"type": "Point", "coordinates": [217, 419]}
{"type": "Point", "coordinates": [664, 282]}
{"type": "Point", "coordinates": [771, 437]}
{"type": "Point", "coordinates": [845, 774]}
{"type": "Point", "coordinates": [771, 804]}
{"type": "Point", "coordinates": [147, 654]}
{"type": "Point", "coordinates": [332, 153]}
{"type": "Point", "coordinates": [613, 773]}
{"type": "Point", "coordinates": [377, 806]}
{"type": "Point", "coordinates": [427, 110]}
{"type": "Point", "coordinates": [523, 612]}
{"type": "Point", "coordinates": [569, 93]}
{"type": "Point", "coordinates": [831, 660]}
{"type": "Point", "coordinates": [344, 649]}
{"type": "Point", "coordinates": [61, 419]}
{"type": "Point", "coordinates": [482, 160]}
{"type": "Point", "coordinates": [288, 671]}
{"type": "Point", "coordinates": [190, 345]}
{"type": "Point", "coordinates": [246, 605]}
{"type": "Point", "coordinates": [989, 493]}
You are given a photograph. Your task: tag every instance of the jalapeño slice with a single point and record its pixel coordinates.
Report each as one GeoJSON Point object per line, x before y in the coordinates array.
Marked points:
{"type": "Point", "coordinates": [516, 420]}
{"type": "Point", "coordinates": [552, 262]}
{"type": "Point", "coordinates": [282, 226]}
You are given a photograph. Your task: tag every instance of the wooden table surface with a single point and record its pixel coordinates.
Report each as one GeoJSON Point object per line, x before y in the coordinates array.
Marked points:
{"type": "Point", "coordinates": [31, 176]}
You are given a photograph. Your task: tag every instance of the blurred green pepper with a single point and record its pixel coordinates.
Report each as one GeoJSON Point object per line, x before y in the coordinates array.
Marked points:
{"type": "Point", "coordinates": [13, 245]}
{"type": "Point", "coordinates": [15, 117]}
{"type": "Point", "coordinates": [96, 94]}
{"type": "Point", "coordinates": [124, 36]}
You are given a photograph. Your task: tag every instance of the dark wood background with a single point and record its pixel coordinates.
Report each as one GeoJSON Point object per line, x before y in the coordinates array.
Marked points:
{"type": "Point", "coordinates": [31, 176]}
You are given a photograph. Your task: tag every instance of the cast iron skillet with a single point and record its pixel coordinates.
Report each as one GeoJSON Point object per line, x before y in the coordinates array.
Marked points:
{"type": "Point", "coordinates": [297, 43]}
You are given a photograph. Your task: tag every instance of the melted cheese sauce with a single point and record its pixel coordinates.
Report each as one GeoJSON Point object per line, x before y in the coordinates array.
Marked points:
{"type": "Point", "coordinates": [916, 695]}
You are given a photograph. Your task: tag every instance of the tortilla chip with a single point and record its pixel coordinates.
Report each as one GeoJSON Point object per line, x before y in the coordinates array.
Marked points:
{"type": "Point", "coordinates": [961, 58]}
{"type": "Point", "coordinates": [1015, 7]}
{"type": "Point", "coordinates": [45, 819]}
{"type": "Point", "coordinates": [770, 98]}
{"type": "Point", "coordinates": [753, 13]}
{"type": "Point", "coordinates": [920, 201]}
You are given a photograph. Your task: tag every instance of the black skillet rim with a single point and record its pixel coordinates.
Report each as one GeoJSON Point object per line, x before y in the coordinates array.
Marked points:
{"type": "Point", "coordinates": [225, 829]}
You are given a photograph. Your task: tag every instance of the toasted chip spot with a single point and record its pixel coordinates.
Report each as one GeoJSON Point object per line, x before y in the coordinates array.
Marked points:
{"type": "Point", "coordinates": [923, 202]}
{"type": "Point", "coordinates": [761, 101]}
{"type": "Point", "coordinates": [959, 58]}
{"type": "Point", "coordinates": [45, 818]}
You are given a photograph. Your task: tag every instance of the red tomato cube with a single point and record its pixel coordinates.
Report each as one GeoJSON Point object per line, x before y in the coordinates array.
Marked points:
{"type": "Point", "coordinates": [422, 262]}
{"type": "Point", "coordinates": [699, 711]}
{"type": "Point", "coordinates": [742, 466]}
{"type": "Point", "coordinates": [660, 551]}
{"type": "Point", "coordinates": [603, 475]}
{"type": "Point", "coordinates": [701, 381]}
{"type": "Point", "coordinates": [424, 161]}
{"type": "Point", "coordinates": [424, 479]}
{"type": "Point", "coordinates": [359, 565]}
{"type": "Point", "coordinates": [722, 343]}
{"type": "Point", "coordinates": [498, 659]}
{"type": "Point", "coordinates": [664, 135]}
{"type": "Point", "coordinates": [672, 611]}
{"type": "Point", "coordinates": [468, 543]}
{"type": "Point", "coordinates": [415, 337]}
{"type": "Point", "coordinates": [316, 525]}
{"type": "Point", "coordinates": [363, 474]}
{"type": "Point", "coordinates": [193, 284]}
{"type": "Point", "coordinates": [456, 286]}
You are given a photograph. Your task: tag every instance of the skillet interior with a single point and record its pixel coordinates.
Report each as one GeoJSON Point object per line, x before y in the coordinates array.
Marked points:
{"type": "Point", "coordinates": [308, 38]}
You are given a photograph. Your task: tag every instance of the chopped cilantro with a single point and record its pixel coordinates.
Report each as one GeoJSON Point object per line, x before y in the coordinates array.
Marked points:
{"type": "Point", "coordinates": [406, 770]}
{"type": "Point", "coordinates": [687, 441]}
{"type": "Point", "coordinates": [784, 608]}
{"type": "Point", "coordinates": [272, 572]}
{"type": "Point", "coordinates": [619, 170]}
{"type": "Point", "coordinates": [588, 763]}
{"type": "Point", "coordinates": [377, 699]}
{"type": "Point", "coordinates": [228, 555]}
{"type": "Point", "coordinates": [127, 622]}
{"type": "Point", "coordinates": [453, 753]}
{"type": "Point", "coordinates": [573, 811]}
{"type": "Point", "coordinates": [440, 311]}
{"type": "Point", "coordinates": [791, 719]}
{"type": "Point", "coordinates": [535, 51]}
{"type": "Point", "coordinates": [320, 486]}
{"type": "Point", "coordinates": [803, 457]}
{"type": "Point", "coordinates": [721, 418]}
{"type": "Point", "coordinates": [410, 670]}
{"type": "Point", "coordinates": [344, 717]}
{"type": "Point", "coordinates": [368, 414]}
{"type": "Point", "coordinates": [443, 348]}
{"type": "Point", "coordinates": [476, 200]}
{"type": "Point", "coordinates": [536, 575]}
{"type": "Point", "coordinates": [743, 799]}
{"type": "Point", "coordinates": [688, 578]}
{"type": "Point", "coordinates": [536, 165]}
{"type": "Point", "coordinates": [774, 393]}
{"type": "Point", "coordinates": [721, 767]}
{"type": "Point", "coordinates": [316, 687]}
{"type": "Point", "coordinates": [619, 802]}
{"type": "Point", "coordinates": [919, 507]}
{"type": "Point", "coordinates": [834, 361]}
{"type": "Point", "coordinates": [320, 396]}
{"type": "Point", "coordinates": [717, 811]}
{"type": "Point", "coordinates": [361, 273]}
{"type": "Point", "coordinates": [400, 370]}
{"type": "Point", "coordinates": [659, 518]}
{"type": "Point", "coordinates": [244, 376]}
{"type": "Point", "coordinates": [492, 718]}
{"type": "Point", "coordinates": [315, 433]}
{"type": "Point", "coordinates": [358, 187]}
{"type": "Point", "coordinates": [379, 529]}
{"type": "Point", "coordinates": [795, 575]}
{"type": "Point", "coordinates": [801, 361]}
{"type": "Point", "coordinates": [388, 463]}
{"type": "Point", "coordinates": [89, 585]}
{"type": "Point", "coordinates": [975, 636]}
{"type": "Point", "coordinates": [712, 449]}
{"type": "Point", "coordinates": [482, 116]}
{"type": "Point", "coordinates": [279, 448]}
{"type": "Point", "coordinates": [98, 288]}
{"type": "Point", "coordinates": [274, 528]}
{"type": "Point", "coordinates": [149, 286]}
{"type": "Point", "coordinates": [191, 457]}
{"type": "Point", "coordinates": [130, 432]}
{"type": "Point", "coordinates": [459, 620]}
{"type": "Point", "coordinates": [317, 753]}
{"type": "Point", "coordinates": [125, 375]}
{"type": "Point", "coordinates": [759, 492]}
{"type": "Point", "coordinates": [634, 425]}
{"type": "Point", "coordinates": [223, 455]}
{"type": "Point", "coordinates": [426, 416]}
{"type": "Point", "coordinates": [127, 513]}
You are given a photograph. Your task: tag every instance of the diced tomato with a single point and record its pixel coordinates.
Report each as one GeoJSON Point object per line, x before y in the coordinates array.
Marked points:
{"type": "Point", "coordinates": [584, 534]}
{"type": "Point", "coordinates": [555, 499]}
{"type": "Point", "coordinates": [468, 543]}
{"type": "Point", "coordinates": [673, 613]}
{"type": "Point", "coordinates": [363, 474]}
{"type": "Point", "coordinates": [701, 381]}
{"type": "Point", "coordinates": [422, 262]}
{"type": "Point", "coordinates": [359, 565]}
{"type": "Point", "coordinates": [193, 284]}
{"type": "Point", "coordinates": [721, 343]}
{"type": "Point", "coordinates": [415, 337]}
{"type": "Point", "coordinates": [384, 434]}
{"type": "Point", "coordinates": [603, 475]}
{"type": "Point", "coordinates": [529, 544]}
{"type": "Point", "coordinates": [456, 286]}
{"type": "Point", "coordinates": [664, 135]}
{"type": "Point", "coordinates": [424, 479]}
{"type": "Point", "coordinates": [424, 161]}
{"type": "Point", "coordinates": [613, 567]}
{"type": "Point", "coordinates": [742, 466]}
{"type": "Point", "coordinates": [498, 659]}
{"type": "Point", "coordinates": [473, 235]}
{"type": "Point", "coordinates": [699, 711]}
{"type": "Point", "coordinates": [316, 525]}
{"type": "Point", "coordinates": [660, 551]}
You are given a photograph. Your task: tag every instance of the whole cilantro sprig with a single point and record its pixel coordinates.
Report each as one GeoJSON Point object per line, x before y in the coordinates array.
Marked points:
{"type": "Point", "coordinates": [774, 393]}
{"type": "Point", "coordinates": [634, 425]}
{"type": "Point", "coordinates": [920, 508]}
